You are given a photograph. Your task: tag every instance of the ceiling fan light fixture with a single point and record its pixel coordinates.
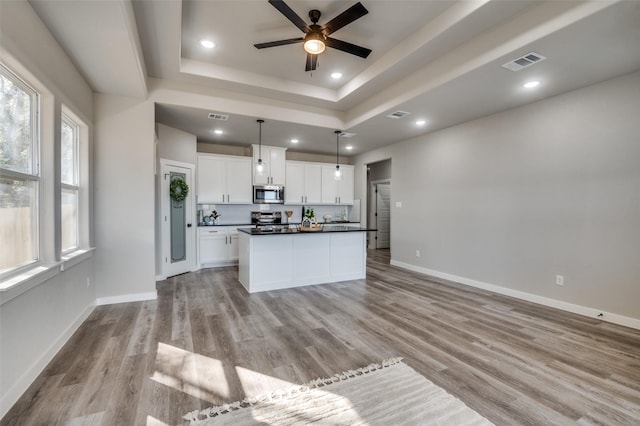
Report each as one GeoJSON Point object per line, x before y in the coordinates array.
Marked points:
{"type": "Point", "coordinates": [314, 43]}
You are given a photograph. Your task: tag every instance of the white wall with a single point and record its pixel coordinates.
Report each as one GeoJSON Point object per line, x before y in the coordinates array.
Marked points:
{"type": "Point", "coordinates": [35, 324]}
{"type": "Point", "coordinates": [516, 198]}
{"type": "Point", "coordinates": [176, 145]}
{"type": "Point", "coordinates": [124, 199]}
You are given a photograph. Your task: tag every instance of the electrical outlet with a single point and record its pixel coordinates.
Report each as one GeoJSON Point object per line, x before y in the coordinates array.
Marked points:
{"type": "Point", "coordinates": [559, 280]}
{"type": "Point", "coordinates": [417, 253]}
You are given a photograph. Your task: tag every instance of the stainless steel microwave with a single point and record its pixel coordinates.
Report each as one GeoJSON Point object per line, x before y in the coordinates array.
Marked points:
{"type": "Point", "coordinates": [268, 194]}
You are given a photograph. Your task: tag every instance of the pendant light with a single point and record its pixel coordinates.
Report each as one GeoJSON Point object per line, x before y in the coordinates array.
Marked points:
{"type": "Point", "coordinates": [259, 163]}
{"type": "Point", "coordinates": [338, 172]}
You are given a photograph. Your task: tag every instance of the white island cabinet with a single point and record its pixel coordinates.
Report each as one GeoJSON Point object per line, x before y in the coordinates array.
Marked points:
{"type": "Point", "coordinates": [285, 260]}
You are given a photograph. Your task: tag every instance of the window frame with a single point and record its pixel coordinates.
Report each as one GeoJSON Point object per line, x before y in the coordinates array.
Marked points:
{"type": "Point", "coordinates": [66, 117]}
{"type": "Point", "coordinates": [34, 177]}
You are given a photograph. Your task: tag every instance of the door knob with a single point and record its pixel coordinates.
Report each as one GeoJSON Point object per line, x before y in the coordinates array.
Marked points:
{"type": "Point", "coordinates": [188, 225]}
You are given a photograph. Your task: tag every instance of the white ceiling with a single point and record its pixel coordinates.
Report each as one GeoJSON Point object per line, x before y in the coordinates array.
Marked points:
{"type": "Point", "coordinates": [438, 60]}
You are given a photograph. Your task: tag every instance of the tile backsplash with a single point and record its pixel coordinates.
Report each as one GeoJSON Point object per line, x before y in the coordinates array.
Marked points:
{"type": "Point", "coordinates": [241, 214]}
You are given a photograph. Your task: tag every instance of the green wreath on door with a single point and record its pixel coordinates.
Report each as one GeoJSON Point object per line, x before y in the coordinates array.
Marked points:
{"type": "Point", "coordinates": [178, 189]}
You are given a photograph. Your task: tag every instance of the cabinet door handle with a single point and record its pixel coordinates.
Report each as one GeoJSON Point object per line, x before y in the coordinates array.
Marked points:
{"type": "Point", "coordinates": [302, 198]}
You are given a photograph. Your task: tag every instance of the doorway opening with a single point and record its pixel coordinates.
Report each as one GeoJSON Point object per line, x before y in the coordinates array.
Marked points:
{"type": "Point", "coordinates": [379, 204]}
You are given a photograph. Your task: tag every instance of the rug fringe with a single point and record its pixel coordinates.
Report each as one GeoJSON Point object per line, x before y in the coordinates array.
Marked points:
{"type": "Point", "coordinates": [290, 391]}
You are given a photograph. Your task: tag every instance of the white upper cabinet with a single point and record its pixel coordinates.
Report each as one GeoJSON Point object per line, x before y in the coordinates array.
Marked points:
{"type": "Point", "coordinates": [303, 183]}
{"type": "Point", "coordinates": [337, 191]}
{"type": "Point", "coordinates": [239, 189]}
{"type": "Point", "coordinates": [274, 159]}
{"type": "Point", "coordinates": [224, 179]}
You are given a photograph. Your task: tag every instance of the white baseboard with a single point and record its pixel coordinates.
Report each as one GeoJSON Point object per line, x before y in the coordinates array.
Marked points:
{"type": "Point", "coordinates": [541, 300]}
{"type": "Point", "coordinates": [161, 277]}
{"type": "Point", "coordinates": [136, 297]}
{"type": "Point", "coordinates": [22, 384]}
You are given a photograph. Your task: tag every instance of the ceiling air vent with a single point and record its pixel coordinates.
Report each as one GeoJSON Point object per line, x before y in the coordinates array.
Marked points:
{"type": "Point", "coordinates": [347, 135]}
{"type": "Point", "coordinates": [216, 116]}
{"type": "Point", "coordinates": [398, 114]}
{"type": "Point", "coordinates": [524, 61]}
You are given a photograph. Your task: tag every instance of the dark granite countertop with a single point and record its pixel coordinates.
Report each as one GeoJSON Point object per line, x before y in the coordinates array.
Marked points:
{"type": "Point", "coordinates": [291, 231]}
{"type": "Point", "coordinates": [336, 223]}
{"type": "Point", "coordinates": [204, 225]}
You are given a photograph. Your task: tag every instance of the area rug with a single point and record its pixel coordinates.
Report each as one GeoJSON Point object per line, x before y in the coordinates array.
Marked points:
{"type": "Point", "coordinates": [390, 393]}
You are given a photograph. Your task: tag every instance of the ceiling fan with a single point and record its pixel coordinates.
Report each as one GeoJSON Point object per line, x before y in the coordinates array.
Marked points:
{"type": "Point", "coordinates": [317, 37]}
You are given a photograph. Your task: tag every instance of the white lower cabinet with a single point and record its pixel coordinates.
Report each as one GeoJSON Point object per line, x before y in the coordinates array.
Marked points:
{"type": "Point", "coordinates": [217, 246]}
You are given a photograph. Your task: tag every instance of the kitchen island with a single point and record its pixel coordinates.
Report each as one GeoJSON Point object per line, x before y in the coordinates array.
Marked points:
{"type": "Point", "coordinates": [292, 258]}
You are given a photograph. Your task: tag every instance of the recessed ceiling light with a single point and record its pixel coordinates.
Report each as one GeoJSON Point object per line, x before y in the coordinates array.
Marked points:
{"type": "Point", "coordinates": [218, 132]}
{"type": "Point", "coordinates": [421, 122]}
{"type": "Point", "coordinates": [294, 141]}
{"type": "Point", "coordinates": [336, 75]}
{"type": "Point", "coordinates": [348, 147]}
{"type": "Point", "coordinates": [531, 84]}
{"type": "Point", "coordinates": [208, 44]}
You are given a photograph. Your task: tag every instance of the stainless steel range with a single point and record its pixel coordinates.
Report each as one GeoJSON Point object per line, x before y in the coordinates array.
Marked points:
{"type": "Point", "coordinates": [266, 218]}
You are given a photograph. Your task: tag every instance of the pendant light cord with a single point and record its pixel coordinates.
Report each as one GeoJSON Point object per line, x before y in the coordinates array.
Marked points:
{"type": "Point", "coordinates": [260, 140]}
{"type": "Point", "coordinates": [337, 132]}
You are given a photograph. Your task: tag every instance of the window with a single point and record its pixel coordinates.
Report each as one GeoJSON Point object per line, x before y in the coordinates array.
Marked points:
{"type": "Point", "coordinates": [69, 180]}
{"type": "Point", "coordinates": [19, 172]}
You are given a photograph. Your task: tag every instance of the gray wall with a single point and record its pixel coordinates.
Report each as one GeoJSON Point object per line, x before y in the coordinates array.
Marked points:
{"type": "Point", "coordinates": [177, 145]}
{"type": "Point", "coordinates": [124, 199]}
{"type": "Point", "coordinates": [37, 322]}
{"type": "Point", "coordinates": [516, 198]}
{"type": "Point", "coordinates": [380, 170]}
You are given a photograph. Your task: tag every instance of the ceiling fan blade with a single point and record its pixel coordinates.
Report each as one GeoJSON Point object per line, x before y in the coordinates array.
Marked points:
{"type": "Point", "coordinates": [279, 42]}
{"type": "Point", "coordinates": [348, 16]}
{"type": "Point", "coordinates": [312, 62]}
{"type": "Point", "coordinates": [290, 14]}
{"type": "Point", "coordinates": [363, 52]}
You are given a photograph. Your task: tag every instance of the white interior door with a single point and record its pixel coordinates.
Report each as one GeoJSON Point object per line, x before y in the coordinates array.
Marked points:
{"type": "Point", "coordinates": [383, 214]}
{"type": "Point", "coordinates": [178, 221]}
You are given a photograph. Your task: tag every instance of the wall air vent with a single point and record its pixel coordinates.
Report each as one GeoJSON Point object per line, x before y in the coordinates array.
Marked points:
{"type": "Point", "coordinates": [524, 61]}
{"type": "Point", "coordinates": [216, 116]}
{"type": "Point", "coordinates": [398, 114]}
{"type": "Point", "coordinates": [347, 135]}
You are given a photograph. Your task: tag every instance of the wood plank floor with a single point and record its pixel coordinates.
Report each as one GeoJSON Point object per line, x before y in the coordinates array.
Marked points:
{"type": "Point", "coordinates": [205, 341]}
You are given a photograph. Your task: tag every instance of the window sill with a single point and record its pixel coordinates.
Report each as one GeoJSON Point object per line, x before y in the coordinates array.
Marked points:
{"type": "Point", "coordinates": [70, 260]}
{"type": "Point", "coordinates": [15, 286]}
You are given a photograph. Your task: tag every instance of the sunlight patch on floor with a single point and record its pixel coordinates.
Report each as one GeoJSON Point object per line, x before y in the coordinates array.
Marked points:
{"type": "Point", "coordinates": [255, 383]}
{"type": "Point", "coordinates": [152, 421]}
{"type": "Point", "coordinates": [194, 374]}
